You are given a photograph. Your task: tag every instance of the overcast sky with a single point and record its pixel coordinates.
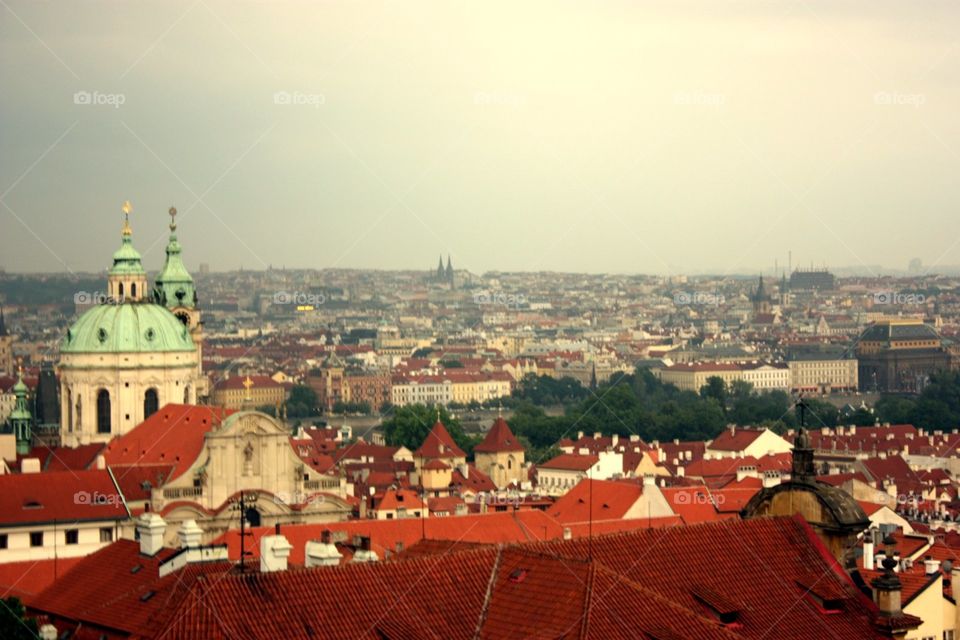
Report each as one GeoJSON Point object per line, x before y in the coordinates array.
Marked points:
{"type": "Point", "coordinates": [637, 137]}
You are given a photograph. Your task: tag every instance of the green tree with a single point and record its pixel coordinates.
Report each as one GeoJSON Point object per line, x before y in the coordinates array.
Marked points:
{"type": "Point", "coordinates": [14, 623]}
{"type": "Point", "coordinates": [302, 402]}
{"type": "Point", "coordinates": [410, 425]}
{"type": "Point", "coordinates": [715, 388]}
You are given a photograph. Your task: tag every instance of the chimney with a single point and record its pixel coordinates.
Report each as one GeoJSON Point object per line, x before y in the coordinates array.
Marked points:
{"type": "Point", "coordinates": [680, 472]}
{"type": "Point", "coordinates": [649, 480]}
{"type": "Point", "coordinates": [190, 534]}
{"type": "Point", "coordinates": [931, 566]}
{"type": "Point", "coordinates": [150, 528]}
{"type": "Point", "coordinates": [887, 590]}
{"type": "Point", "coordinates": [596, 435]}
{"type": "Point", "coordinates": [579, 435]}
{"type": "Point", "coordinates": [614, 439]}
{"type": "Point", "coordinates": [48, 632]}
{"type": "Point", "coordinates": [274, 551]}
{"type": "Point", "coordinates": [567, 534]}
{"type": "Point", "coordinates": [868, 552]}
{"type": "Point", "coordinates": [365, 553]}
{"type": "Point", "coordinates": [323, 553]}
{"type": "Point", "coordinates": [30, 465]}
{"type": "Point", "coordinates": [100, 462]}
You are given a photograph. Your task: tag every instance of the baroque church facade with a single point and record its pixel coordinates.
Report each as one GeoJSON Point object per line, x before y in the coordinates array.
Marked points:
{"type": "Point", "coordinates": [136, 351]}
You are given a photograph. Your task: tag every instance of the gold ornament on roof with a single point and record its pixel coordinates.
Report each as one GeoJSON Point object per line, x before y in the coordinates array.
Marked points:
{"type": "Point", "coordinates": [173, 218]}
{"type": "Point", "coordinates": [126, 208]}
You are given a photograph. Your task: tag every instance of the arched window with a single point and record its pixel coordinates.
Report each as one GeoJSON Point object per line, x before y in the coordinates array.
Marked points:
{"type": "Point", "coordinates": [186, 394]}
{"type": "Point", "coordinates": [103, 411]}
{"type": "Point", "coordinates": [133, 290]}
{"type": "Point", "coordinates": [120, 291]}
{"type": "Point", "coordinates": [151, 402]}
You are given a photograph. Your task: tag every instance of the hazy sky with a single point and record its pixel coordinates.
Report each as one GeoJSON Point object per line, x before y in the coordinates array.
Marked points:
{"type": "Point", "coordinates": [642, 137]}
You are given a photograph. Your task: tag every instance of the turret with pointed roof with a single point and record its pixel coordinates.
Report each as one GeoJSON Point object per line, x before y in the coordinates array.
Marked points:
{"type": "Point", "coordinates": [439, 445]}
{"type": "Point", "coordinates": [499, 438]}
{"type": "Point", "coordinates": [174, 286]}
{"type": "Point", "coordinates": [20, 419]}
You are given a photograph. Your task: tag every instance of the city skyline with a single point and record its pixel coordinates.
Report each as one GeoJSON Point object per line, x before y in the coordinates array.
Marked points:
{"type": "Point", "coordinates": [329, 137]}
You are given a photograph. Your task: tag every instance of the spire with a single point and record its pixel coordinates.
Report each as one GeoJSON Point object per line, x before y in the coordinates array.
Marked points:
{"type": "Point", "coordinates": [449, 267]}
{"type": "Point", "coordinates": [174, 285]}
{"type": "Point", "coordinates": [127, 279]}
{"type": "Point", "coordinates": [3, 325]}
{"type": "Point", "coordinates": [803, 467]}
{"type": "Point", "coordinates": [440, 267]}
{"type": "Point", "coordinates": [20, 417]}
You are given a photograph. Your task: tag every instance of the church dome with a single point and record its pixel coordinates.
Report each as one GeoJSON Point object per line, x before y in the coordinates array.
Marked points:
{"type": "Point", "coordinates": [127, 328]}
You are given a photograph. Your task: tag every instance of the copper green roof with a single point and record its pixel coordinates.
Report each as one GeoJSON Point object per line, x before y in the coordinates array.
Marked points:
{"type": "Point", "coordinates": [174, 284]}
{"type": "Point", "coordinates": [127, 328]}
{"type": "Point", "coordinates": [126, 260]}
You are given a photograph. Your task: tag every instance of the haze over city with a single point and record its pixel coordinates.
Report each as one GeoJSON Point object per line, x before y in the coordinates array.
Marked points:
{"type": "Point", "coordinates": [655, 138]}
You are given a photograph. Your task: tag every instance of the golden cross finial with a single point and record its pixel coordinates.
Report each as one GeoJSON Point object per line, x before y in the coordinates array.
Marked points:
{"type": "Point", "coordinates": [247, 384]}
{"type": "Point", "coordinates": [173, 218]}
{"type": "Point", "coordinates": [126, 208]}
{"type": "Point", "coordinates": [20, 366]}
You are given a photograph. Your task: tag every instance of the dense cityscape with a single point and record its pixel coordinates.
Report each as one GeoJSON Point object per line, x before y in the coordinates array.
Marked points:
{"type": "Point", "coordinates": [479, 321]}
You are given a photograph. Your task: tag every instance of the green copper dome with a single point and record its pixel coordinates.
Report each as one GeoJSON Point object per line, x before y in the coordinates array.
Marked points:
{"type": "Point", "coordinates": [126, 260]}
{"type": "Point", "coordinates": [127, 328]}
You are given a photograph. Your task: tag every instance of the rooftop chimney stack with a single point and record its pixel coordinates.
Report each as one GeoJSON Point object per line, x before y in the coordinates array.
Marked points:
{"type": "Point", "coordinates": [190, 534]}
{"type": "Point", "coordinates": [323, 553]}
{"type": "Point", "coordinates": [150, 528]}
{"type": "Point", "coordinates": [274, 551]}
{"type": "Point", "coordinates": [931, 567]}
{"type": "Point", "coordinates": [887, 590]}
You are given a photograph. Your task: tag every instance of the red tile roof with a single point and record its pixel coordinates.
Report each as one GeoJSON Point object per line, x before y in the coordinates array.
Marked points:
{"type": "Point", "coordinates": [107, 590]}
{"type": "Point", "coordinates": [499, 438]}
{"type": "Point", "coordinates": [174, 436]}
{"type": "Point", "coordinates": [25, 580]}
{"type": "Point", "coordinates": [610, 500]}
{"type": "Point", "coordinates": [663, 584]}
{"type": "Point", "coordinates": [439, 444]}
{"type": "Point", "coordinates": [570, 462]}
{"type": "Point", "coordinates": [33, 498]}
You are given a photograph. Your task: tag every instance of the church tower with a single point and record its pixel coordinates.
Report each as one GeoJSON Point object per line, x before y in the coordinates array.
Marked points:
{"type": "Point", "coordinates": [20, 419]}
{"type": "Point", "coordinates": [127, 279]}
{"type": "Point", "coordinates": [126, 357]}
{"type": "Point", "coordinates": [760, 299]}
{"type": "Point", "coordinates": [6, 348]}
{"type": "Point", "coordinates": [175, 290]}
